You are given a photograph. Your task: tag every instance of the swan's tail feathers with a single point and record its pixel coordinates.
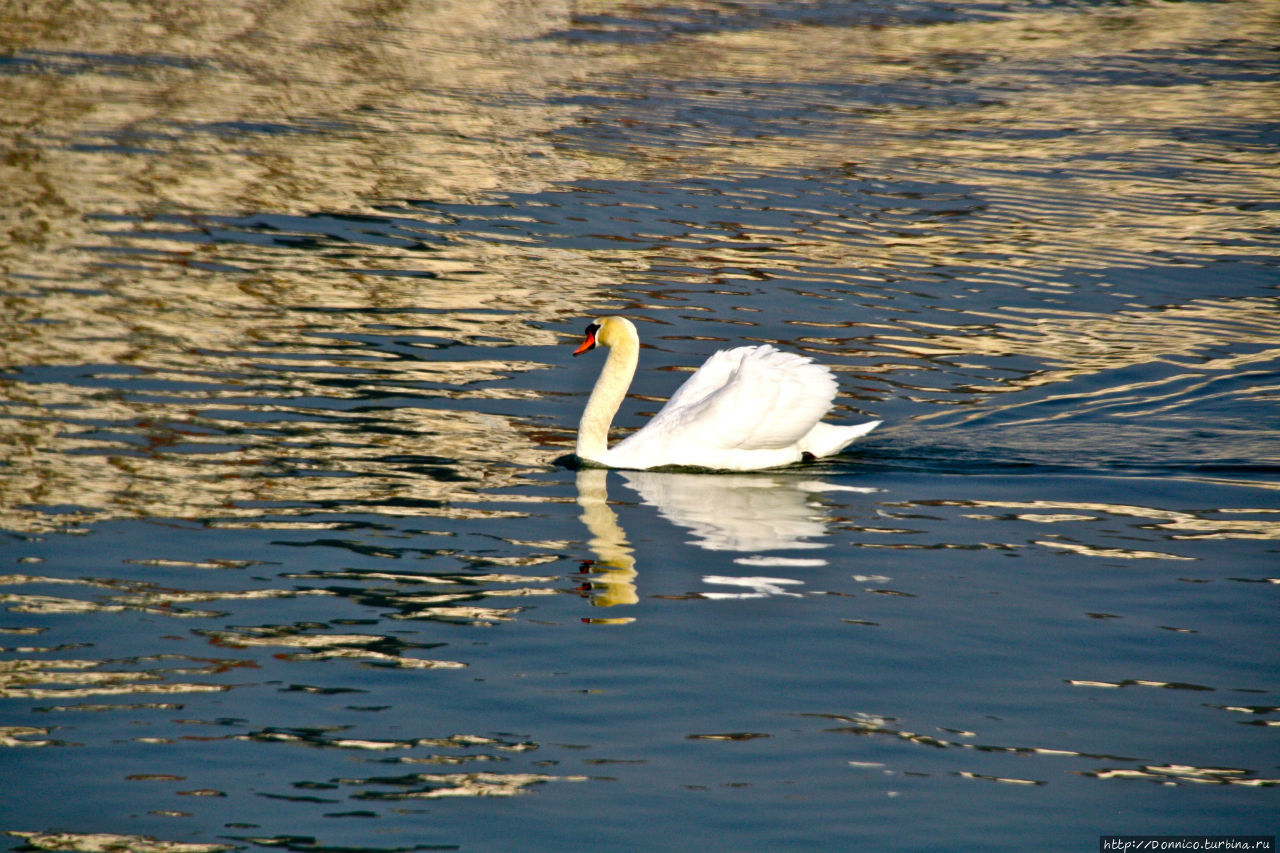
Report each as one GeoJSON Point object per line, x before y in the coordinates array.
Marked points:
{"type": "Point", "coordinates": [829, 439]}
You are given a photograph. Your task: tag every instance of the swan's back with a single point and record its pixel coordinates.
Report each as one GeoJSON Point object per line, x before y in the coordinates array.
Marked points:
{"type": "Point", "coordinates": [744, 406]}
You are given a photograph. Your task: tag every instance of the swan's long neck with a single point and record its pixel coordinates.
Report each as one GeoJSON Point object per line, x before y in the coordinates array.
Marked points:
{"type": "Point", "coordinates": [606, 397]}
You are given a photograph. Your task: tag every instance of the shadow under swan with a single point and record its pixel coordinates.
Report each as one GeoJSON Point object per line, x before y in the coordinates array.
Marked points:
{"type": "Point", "coordinates": [752, 514]}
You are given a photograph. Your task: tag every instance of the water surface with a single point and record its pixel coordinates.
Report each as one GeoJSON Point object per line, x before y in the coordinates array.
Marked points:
{"type": "Point", "coordinates": [293, 560]}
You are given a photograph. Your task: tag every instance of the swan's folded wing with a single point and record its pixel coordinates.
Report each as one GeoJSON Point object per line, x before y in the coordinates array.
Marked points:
{"type": "Point", "coordinates": [777, 397]}
{"type": "Point", "coordinates": [753, 398]}
{"type": "Point", "coordinates": [707, 379]}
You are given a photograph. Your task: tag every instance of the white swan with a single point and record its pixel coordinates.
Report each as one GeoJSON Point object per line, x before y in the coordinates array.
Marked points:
{"type": "Point", "coordinates": [746, 408]}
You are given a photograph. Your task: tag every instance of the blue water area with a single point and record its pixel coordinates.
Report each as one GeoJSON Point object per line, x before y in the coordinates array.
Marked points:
{"type": "Point", "coordinates": [297, 552]}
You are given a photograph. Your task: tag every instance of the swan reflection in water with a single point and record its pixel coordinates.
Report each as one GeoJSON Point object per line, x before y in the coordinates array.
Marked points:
{"type": "Point", "coordinates": [752, 514]}
{"type": "Point", "coordinates": [613, 572]}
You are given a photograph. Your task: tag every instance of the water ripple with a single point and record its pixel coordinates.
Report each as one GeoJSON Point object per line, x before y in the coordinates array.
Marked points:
{"type": "Point", "coordinates": [284, 380]}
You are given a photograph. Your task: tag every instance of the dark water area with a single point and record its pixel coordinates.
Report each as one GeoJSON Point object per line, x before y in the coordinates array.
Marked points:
{"type": "Point", "coordinates": [293, 559]}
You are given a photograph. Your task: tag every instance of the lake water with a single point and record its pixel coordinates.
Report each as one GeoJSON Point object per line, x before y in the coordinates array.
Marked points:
{"type": "Point", "coordinates": [292, 556]}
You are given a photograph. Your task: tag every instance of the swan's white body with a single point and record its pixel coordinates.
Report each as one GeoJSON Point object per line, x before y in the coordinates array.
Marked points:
{"type": "Point", "coordinates": [745, 409]}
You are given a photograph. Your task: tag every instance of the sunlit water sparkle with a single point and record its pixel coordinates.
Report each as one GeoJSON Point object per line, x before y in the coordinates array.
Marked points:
{"type": "Point", "coordinates": [292, 557]}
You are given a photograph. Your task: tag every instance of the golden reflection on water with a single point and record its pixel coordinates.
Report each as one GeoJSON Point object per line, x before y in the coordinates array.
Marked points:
{"type": "Point", "coordinates": [251, 107]}
{"type": "Point", "coordinates": [242, 357]}
{"type": "Point", "coordinates": [1176, 524]}
{"type": "Point", "coordinates": [1079, 344]}
{"type": "Point", "coordinates": [869, 725]}
{"type": "Point", "coordinates": [1038, 218]}
{"type": "Point", "coordinates": [111, 841]}
{"type": "Point", "coordinates": [70, 679]}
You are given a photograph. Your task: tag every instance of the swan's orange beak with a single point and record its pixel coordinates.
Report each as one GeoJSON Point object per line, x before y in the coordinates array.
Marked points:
{"type": "Point", "coordinates": [590, 342]}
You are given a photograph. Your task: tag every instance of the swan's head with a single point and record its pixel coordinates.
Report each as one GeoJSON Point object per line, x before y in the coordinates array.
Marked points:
{"type": "Point", "coordinates": [607, 331]}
